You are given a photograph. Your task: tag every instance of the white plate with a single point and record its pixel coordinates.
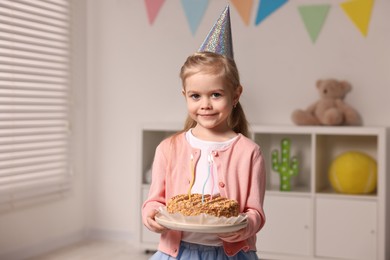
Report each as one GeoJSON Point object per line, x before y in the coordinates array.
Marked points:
{"type": "Point", "coordinates": [201, 228]}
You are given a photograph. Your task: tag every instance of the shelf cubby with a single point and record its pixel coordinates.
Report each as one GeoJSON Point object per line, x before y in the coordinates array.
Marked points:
{"type": "Point", "coordinates": [300, 148]}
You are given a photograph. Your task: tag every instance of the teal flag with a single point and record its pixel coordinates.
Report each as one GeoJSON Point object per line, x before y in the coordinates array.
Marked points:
{"type": "Point", "coordinates": [267, 7]}
{"type": "Point", "coordinates": [194, 10]}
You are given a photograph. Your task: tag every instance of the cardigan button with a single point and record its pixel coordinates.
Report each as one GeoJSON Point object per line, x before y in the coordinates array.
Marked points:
{"type": "Point", "coordinates": [221, 184]}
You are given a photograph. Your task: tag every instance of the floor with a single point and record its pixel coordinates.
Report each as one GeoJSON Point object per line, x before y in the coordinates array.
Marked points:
{"type": "Point", "coordinates": [96, 250]}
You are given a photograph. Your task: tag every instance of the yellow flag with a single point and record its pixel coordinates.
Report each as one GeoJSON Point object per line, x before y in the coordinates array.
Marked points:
{"type": "Point", "coordinates": [359, 11]}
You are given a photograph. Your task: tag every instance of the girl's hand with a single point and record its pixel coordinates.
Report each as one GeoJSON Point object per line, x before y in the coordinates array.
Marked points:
{"type": "Point", "coordinates": [232, 236]}
{"type": "Point", "coordinates": [153, 225]}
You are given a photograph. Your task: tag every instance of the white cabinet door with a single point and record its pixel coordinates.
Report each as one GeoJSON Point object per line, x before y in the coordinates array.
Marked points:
{"type": "Point", "coordinates": [346, 228]}
{"type": "Point", "coordinates": [148, 236]}
{"type": "Point", "coordinates": [288, 226]}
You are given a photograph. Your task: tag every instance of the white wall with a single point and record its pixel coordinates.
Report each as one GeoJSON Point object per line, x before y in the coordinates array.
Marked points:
{"type": "Point", "coordinates": [37, 226]}
{"type": "Point", "coordinates": [133, 79]}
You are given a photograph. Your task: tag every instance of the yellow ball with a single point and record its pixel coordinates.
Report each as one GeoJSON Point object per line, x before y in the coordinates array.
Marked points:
{"type": "Point", "coordinates": [353, 173]}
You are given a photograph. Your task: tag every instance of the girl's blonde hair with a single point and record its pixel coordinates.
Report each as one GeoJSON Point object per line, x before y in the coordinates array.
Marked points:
{"type": "Point", "coordinates": [209, 62]}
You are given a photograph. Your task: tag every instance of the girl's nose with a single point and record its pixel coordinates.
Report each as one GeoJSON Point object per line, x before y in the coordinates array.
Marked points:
{"type": "Point", "coordinates": [206, 104]}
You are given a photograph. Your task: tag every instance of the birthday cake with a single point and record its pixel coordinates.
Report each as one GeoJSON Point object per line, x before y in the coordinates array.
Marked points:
{"type": "Point", "coordinates": [194, 205]}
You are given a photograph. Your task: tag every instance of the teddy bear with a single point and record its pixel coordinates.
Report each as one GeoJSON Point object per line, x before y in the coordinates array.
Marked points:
{"type": "Point", "coordinates": [330, 109]}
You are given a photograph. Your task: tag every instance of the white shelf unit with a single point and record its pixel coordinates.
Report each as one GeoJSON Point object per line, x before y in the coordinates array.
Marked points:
{"type": "Point", "coordinates": [311, 221]}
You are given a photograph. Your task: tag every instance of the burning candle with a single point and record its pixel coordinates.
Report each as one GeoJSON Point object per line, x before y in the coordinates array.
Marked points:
{"type": "Point", "coordinates": [211, 167]}
{"type": "Point", "coordinates": [192, 175]}
{"type": "Point", "coordinates": [209, 158]}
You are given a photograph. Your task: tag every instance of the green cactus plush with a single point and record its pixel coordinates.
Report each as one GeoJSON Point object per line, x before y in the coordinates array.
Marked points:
{"type": "Point", "coordinates": [286, 167]}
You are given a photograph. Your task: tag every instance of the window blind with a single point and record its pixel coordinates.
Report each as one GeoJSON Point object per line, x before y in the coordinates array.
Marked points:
{"type": "Point", "coordinates": [34, 98]}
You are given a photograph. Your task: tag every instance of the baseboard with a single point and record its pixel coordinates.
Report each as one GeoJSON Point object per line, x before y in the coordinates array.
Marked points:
{"type": "Point", "coordinates": [43, 247]}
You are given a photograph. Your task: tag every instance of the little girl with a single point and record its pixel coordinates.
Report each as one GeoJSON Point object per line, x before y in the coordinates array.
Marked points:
{"type": "Point", "coordinates": [216, 129]}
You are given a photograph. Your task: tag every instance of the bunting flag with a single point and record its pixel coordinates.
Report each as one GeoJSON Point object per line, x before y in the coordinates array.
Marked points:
{"type": "Point", "coordinates": [266, 7]}
{"type": "Point", "coordinates": [194, 10]}
{"type": "Point", "coordinates": [313, 17]}
{"type": "Point", "coordinates": [359, 11]}
{"type": "Point", "coordinates": [244, 9]}
{"type": "Point", "coordinates": [152, 8]}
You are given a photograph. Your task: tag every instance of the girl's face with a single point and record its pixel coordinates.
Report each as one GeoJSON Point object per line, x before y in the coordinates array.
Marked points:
{"type": "Point", "coordinates": [209, 102]}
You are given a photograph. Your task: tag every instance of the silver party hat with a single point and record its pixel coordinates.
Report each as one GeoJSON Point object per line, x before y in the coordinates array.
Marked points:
{"type": "Point", "coordinates": [219, 39]}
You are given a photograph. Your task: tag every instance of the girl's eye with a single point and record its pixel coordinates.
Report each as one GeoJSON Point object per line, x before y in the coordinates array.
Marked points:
{"type": "Point", "coordinates": [194, 96]}
{"type": "Point", "coordinates": [216, 95]}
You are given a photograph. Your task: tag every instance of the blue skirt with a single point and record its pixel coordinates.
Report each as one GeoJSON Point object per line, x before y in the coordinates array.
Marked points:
{"type": "Point", "coordinates": [201, 252]}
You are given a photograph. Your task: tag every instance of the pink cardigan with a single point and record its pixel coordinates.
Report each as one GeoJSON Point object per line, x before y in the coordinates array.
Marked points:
{"type": "Point", "coordinates": [241, 175]}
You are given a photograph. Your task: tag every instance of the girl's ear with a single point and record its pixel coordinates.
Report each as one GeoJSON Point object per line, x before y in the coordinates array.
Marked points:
{"type": "Point", "coordinates": [237, 94]}
{"type": "Point", "coordinates": [183, 92]}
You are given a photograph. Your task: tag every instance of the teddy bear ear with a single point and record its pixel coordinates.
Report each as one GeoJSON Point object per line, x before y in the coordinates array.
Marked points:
{"type": "Point", "coordinates": [346, 86]}
{"type": "Point", "coordinates": [318, 83]}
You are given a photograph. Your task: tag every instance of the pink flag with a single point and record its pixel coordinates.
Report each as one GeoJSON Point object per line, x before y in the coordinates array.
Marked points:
{"type": "Point", "coordinates": [152, 8]}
